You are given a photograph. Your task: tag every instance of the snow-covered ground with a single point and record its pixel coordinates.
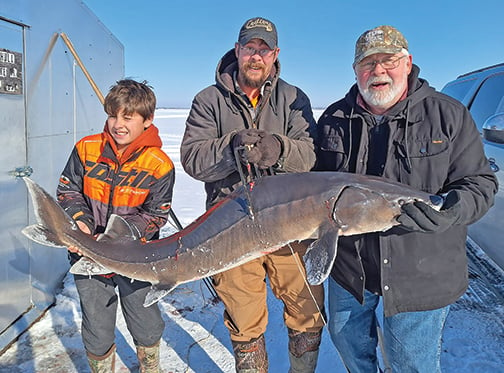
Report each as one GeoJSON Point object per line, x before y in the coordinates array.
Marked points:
{"type": "Point", "coordinates": [195, 339]}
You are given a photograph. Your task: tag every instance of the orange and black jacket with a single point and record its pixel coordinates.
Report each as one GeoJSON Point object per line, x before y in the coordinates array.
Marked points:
{"type": "Point", "coordinates": [137, 185]}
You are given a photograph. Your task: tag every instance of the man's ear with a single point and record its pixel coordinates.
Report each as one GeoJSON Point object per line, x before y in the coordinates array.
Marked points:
{"type": "Point", "coordinates": [277, 52]}
{"type": "Point", "coordinates": [410, 63]}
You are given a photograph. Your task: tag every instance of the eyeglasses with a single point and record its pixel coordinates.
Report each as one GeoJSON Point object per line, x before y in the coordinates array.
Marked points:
{"type": "Point", "coordinates": [248, 51]}
{"type": "Point", "coordinates": [388, 63]}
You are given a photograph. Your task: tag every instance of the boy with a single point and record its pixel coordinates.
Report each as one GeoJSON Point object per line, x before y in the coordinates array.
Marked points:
{"type": "Point", "coordinates": [120, 171]}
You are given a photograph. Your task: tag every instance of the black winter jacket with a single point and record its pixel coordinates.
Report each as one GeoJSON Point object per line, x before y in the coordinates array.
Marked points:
{"type": "Point", "coordinates": [218, 113]}
{"type": "Point", "coordinates": [433, 146]}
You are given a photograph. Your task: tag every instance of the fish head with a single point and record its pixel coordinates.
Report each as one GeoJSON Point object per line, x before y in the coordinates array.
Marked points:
{"type": "Point", "coordinates": [360, 209]}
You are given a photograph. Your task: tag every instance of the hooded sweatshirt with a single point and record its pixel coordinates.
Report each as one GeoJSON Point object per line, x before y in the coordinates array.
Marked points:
{"type": "Point", "coordinates": [97, 181]}
{"type": "Point", "coordinates": [219, 111]}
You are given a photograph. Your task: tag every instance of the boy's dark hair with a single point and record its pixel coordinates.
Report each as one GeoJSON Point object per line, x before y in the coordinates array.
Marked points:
{"type": "Point", "coordinates": [132, 96]}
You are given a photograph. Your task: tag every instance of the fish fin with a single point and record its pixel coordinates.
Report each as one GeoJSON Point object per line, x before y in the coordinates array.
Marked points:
{"type": "Point", "coordinates": [117, 230]}
{"type": "Point", "coordinates": [156, 294]}
{"type": "Point", "coordinates": [87, 267]}
{"type": "Point", "coordinates": [320, 256]}
{"type": "Point", "coordinates": [43, 236]}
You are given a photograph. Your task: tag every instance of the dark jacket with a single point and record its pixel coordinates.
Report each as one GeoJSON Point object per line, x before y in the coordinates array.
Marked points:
{"type": "Point", "coordinates": [433, 145]}
{"type": "Point", "coordinates": [219, 112]}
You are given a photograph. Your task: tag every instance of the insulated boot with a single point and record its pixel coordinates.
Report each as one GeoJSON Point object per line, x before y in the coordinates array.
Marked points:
{"type": "Point", "coordinates": [251, 356]}
{"type": "Point", "coordinates": [148, 358]}
{"type": "Point", "coordinates": [303, 351]}
{"type": "Point", "coordinates": [104, 363]}
{"type": "Point", "coordinates": [306, 363]}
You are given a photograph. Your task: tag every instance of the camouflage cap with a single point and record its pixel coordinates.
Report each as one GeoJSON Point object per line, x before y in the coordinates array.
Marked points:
{"type": "Point", "coordinates": [259, 28]}
{"type": "Point", "coordinates": [381, 39]}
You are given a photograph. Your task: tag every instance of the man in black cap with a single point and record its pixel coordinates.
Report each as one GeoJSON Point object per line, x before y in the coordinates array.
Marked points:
{"type": "Point", "coordinates": [267, 122]}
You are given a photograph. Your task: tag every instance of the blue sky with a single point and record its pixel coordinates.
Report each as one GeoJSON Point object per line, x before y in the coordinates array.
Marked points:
{"type": "Point", "coordinates": [176, 44]}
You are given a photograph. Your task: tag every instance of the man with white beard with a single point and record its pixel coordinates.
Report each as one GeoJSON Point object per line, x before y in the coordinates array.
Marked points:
{"type": "Point", "coordinates": [392, 124]}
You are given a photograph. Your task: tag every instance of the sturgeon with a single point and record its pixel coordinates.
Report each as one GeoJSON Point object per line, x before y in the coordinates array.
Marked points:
{"type": "Point", "coordinates": [254, 220]}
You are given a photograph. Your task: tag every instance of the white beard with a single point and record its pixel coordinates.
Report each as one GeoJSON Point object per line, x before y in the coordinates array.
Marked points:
{"type": "Point", "coordinates": [383, 99]}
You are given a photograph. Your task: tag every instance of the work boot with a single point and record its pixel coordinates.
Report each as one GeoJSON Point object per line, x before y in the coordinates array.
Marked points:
{"type": "Point", "coordinates": [104, 363]}
{"type": "Point", "coordinates": [303, 351]}
{"type": "Point", "coordinates": [251, 356]}
{"type": "Point", "coordinates": [148, 358]}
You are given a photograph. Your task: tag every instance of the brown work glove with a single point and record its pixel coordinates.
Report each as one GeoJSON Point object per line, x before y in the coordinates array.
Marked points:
{"type": "Point", "coordinates": [266, 151]}
{"type": "Point", "coordinates": [261, 148]}
{"type": "Point", "coordinates": [249, 136]}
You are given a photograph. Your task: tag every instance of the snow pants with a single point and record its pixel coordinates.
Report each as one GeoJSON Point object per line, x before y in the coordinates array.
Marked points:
{"type": "Point", "coordinates": [243, 291]}
{"type": "Point", "coordinates": [99, 301]}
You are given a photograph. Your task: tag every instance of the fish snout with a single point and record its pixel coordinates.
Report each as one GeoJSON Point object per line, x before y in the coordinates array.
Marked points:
{"type": "Point", "coordinates": [434, 200]}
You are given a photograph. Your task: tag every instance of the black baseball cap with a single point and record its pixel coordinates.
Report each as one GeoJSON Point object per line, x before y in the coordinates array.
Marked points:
{"type": "Point", "coordinates": [259, 28]}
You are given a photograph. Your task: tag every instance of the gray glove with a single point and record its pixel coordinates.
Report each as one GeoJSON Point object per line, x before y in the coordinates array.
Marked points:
{"type": "Point", "coordinates": [266, 151]}
{"type": "Point", "coordinates": [263, 148]}
{"type": "Point", "coordinates": [418, 216]}
{"type": "Point", "coordinates": [249, 136]}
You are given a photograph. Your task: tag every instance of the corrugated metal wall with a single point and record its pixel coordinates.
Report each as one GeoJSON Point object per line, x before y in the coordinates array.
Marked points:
{"type": "Point", "coordinates": [46, 104]}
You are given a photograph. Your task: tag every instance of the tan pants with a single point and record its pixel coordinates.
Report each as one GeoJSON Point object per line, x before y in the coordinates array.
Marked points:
{"type": "Point", "coordinates": [243, 292]}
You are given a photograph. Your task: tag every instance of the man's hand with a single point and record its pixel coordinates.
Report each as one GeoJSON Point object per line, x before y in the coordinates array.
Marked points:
{"type": "Point", "coordinates": [418, 216]}
{"type": "Point", "coordinates": [249, 136]}
{"type": "Point", "coordinates": [261, 148]}
{"type": "Point", "coordinates": [266, 151]}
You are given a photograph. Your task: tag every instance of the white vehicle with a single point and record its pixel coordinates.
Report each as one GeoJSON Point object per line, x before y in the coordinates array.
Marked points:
{"type": "Point", "coordinates": [482, 91]}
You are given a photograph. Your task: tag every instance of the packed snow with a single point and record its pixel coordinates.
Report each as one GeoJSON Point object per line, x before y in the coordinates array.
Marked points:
{"type": "Point", "coordinates": [195, 339]}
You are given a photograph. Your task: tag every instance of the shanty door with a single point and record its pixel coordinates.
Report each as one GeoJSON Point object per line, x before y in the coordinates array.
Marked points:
{"type": "Point", "coordinates": [15, 288]}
